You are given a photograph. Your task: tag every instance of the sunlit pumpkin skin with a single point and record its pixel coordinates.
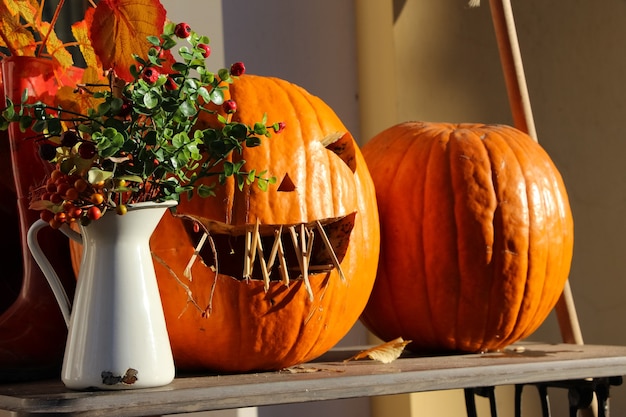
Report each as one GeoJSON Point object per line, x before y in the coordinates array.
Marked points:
{"type": "Point", "coordinates": [321, 176]}
{"type": "Point", "coordinates": [476, 235]}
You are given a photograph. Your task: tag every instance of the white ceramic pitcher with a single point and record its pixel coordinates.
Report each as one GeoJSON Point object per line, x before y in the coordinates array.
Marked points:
{"type": "Point", "coordinates": [117, 338]}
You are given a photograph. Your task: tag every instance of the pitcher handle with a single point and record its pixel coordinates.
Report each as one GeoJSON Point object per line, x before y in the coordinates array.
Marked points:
{"type": "Point", "coordinates": [46, 267]}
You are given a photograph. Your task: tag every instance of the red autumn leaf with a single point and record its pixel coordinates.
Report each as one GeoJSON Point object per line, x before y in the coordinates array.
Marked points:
{"type": "Point", "coordinates": [119, 28]}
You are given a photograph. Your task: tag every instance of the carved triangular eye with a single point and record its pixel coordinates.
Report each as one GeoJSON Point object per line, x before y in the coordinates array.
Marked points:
{"type": "Point", "coordinates": [342, 144]}
{"type": "Point", "coordinates": [286, 185]}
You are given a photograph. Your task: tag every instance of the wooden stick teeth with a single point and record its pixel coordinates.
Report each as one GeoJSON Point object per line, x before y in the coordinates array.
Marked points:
{"type": "Point", "coordinates": [246, 255]}
{"type": "Point", "coordinates": [254, 241]}
{"type": "Point", "coordinates": [274, 251]}
{"type": "Point", "coordinates": [282, 267]}
{"type": "Point", "coordinates": [305, 260]}
{"type": "Point", "coordinates": [329, 248]}
{"type": "Point", "coordinates": [266, 275]}
{"type": "Point", "coordinates": [296, 246]}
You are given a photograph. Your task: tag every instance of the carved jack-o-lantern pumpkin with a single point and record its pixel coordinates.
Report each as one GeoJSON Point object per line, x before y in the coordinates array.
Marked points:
{"type": "Point", "coordinates": [284, 273]}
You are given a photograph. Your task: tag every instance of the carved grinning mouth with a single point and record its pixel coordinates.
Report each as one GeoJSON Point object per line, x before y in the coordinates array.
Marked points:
{"type": "Point", "coordinates": [282, 252]}
{"type": "Point", "coordinates": [274, 252]}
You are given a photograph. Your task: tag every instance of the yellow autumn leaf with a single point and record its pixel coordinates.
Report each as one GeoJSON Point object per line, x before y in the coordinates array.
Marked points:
{"type": "Point", "coordinates": [13, 35]}
{"type": "Point", "coordinates": [68, 98]}
{"type": "Point", "coordinates": [119, 28]}
{"type": "Point", "coordinates": [385, 353]}
{"type": "Point", "coordinates": [29, 10]}
{"type": "Point", "coordinates": [81, 34]}
{"type": "Point", "coordinates": [55, 47]}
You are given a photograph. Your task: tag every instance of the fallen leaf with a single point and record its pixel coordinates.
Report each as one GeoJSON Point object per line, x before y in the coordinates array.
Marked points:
{"type": "Point", "coordinates": [307, 370]}
{"type": "Point", "coordinates": [385, 353]}
{"type": "Point", "coordinates": [300, 370]}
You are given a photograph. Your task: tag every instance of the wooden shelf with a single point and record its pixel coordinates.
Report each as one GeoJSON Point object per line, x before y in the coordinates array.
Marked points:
{"type": "Point", "coordinates": [327, 378]}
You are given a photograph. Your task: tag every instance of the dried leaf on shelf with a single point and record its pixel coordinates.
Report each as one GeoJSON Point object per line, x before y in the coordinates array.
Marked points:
{"type": "Point", "coordinates": [300, 370]}
{"type": "Point", "coordinates": [385, 353]}
{"type": "Point", "coordinates": [307, 370]}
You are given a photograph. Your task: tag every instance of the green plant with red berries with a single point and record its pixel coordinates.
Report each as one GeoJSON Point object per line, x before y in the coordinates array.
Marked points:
{"type": "Point", "coordinates": [142, 142]}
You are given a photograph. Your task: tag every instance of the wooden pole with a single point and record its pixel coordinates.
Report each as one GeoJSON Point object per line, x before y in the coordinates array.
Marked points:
{"type": "Point", "coordinates": [511, 60]}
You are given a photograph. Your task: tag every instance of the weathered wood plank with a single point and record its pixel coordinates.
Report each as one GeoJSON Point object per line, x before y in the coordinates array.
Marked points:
{"type": "Point", "coordinates": [325, 379]}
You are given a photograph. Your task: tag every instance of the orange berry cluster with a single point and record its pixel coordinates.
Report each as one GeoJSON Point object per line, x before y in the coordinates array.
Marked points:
{"type": "Point", "coordinates": [71, 198]}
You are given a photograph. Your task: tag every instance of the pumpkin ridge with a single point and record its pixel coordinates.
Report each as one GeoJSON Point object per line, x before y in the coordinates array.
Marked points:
{"type": "Point", "coordinates": [394, 166]}
{"type": "Point", "coordinates": [511, 273]}
{"type": "Point", "coordinates": [493, 300]}
{"type": "Point", "coordinates": [294, 101]}
{"type": "Point", "coordinates": [439, 222]}
{"type": "Point", "coordinates": [407, 175]}
{"type": "Point", "coordinates": [314, 146]}
{"type": "Point", "coordinates": [526, 147]}
{"type": "Point", "coordinates": [544, 176]}
{"type": "Point", "coordinates": [565, 223]}
{"type": "Point", "coordinates": [432, 331]}
{"type": "Point", "coordinates": [526, 326]}
{"type": "Point", "coordinates": [474, 206]}
{"type": "Point", "coordinates": [495, 297]}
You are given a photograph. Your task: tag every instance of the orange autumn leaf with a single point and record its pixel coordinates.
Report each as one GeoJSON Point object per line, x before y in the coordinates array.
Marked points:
{"type": "Point", "coordinates": [119, 28]}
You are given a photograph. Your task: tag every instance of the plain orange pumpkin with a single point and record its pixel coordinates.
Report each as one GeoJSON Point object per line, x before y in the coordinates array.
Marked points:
{"type": "Point", "coordinates": [476, 235]}
{"type": "Point", "coordinates": [321, 176]}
